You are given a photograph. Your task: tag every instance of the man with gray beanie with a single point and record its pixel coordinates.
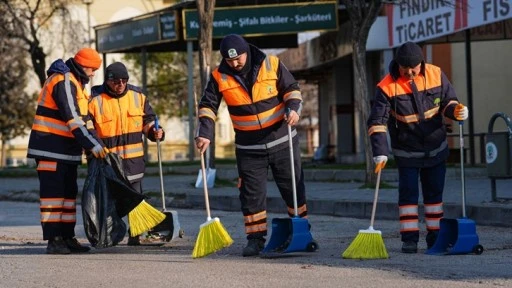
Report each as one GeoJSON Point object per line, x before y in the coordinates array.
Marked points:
{"type": "Point", "coordinates": [121, 114]}
{"type": "Point", "coordinates": [263, 98]}
{"type": "Point", "coordinates": [410, 104]}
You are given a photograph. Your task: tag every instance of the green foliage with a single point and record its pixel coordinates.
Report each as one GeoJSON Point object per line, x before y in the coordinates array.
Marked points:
{"type": "Point", "coordinates": [167, 81]}
{"type": "Point", "coordinates": [32, 23]}
{"type": "Point", "coordinates": [16, 112]}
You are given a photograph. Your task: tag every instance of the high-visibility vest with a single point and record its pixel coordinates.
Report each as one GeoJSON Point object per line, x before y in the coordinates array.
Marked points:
{"type": "Point", "coordinates": [119, 122]}
{"type": "Point", "coordinates": [52, 136]}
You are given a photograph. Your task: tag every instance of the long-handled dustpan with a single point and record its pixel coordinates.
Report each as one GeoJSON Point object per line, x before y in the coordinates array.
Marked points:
{"type": "Point", "coordinates": [170, 228]}
{"type": "Point", "coordinates": [210, 173]}
{"type": "Point", "coordinates": [457, 236]}
{"type": "Point", "coordinates": [291, 234]}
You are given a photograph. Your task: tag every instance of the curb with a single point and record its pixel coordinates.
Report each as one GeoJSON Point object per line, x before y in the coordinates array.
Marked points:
{"type": "Point", "coordinates": [229, 172]}
{"type": "Point", "coordinates": [488, 214]}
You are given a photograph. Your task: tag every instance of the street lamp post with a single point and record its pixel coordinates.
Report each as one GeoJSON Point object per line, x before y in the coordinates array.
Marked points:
{"type": "Point", "coordinates": [88, 4]}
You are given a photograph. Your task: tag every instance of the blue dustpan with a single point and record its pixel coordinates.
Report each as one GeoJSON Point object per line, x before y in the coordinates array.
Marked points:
{"type": "Point", "coordinates": [457, 236]}
{"type": "Point", "coordinates": [290, 235]}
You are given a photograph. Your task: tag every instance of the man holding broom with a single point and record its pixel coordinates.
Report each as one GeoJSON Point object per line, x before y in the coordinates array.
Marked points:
{"type": "Point", "coordinates": [411, 103]}
{"type": "Point", "coordinates": [258, 89]}
{"type": "Point", "coordinates": [121, 114]}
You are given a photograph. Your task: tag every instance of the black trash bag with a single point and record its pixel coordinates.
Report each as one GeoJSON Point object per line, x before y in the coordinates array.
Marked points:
{"type": "Point", "coordinates": [103, 226]}
{"type": "Point", "coordinates": [106, 198]}
{"type": "Point", "coordinates": [125, 196]}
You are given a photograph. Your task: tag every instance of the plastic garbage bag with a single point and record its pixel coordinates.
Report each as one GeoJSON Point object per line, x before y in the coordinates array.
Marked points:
{"type": "Point", "coordinates": [106, 198]}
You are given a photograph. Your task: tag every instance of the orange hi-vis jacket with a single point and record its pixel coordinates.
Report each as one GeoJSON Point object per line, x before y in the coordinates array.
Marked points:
{"type": "Point", "coordinates": [59, 132]}
{"type": "Point", "coordinates": [120, 122]}
{"type": "Point", "coordinates": [412, 112]}
{"type": "Point", "coordinates": [257, 112]}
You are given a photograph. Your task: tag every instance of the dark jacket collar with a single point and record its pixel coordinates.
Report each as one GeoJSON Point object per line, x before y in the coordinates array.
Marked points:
{"type": "Point", "coordinates": [78, 71]}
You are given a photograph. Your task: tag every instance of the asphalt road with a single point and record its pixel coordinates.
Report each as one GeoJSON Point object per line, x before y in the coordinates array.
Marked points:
{"type": "Point", "coordinates": [23, 262]}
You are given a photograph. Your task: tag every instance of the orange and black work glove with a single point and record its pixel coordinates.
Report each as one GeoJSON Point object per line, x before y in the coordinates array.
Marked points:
{"type": "Point", "coordinates": [461, 112]}
{"type": "Point", "coordinates": [380, 162]}
{"type": "Point", "coordinates": [99, 152]}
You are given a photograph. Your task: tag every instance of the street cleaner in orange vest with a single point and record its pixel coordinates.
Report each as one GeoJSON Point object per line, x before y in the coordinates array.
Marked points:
{"type": "Point", "coordinates": [258, 90]}
{"type": "Point", "coordinates": [410, 104]}
{"type": "Point", "coordinates": [59, 134]}
{"type": "Point", "coordinates": [121, 115]}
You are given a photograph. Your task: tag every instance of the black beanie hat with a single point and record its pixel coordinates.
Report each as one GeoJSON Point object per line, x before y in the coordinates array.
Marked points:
{"type": "Point", "coordinates": [409, 55]}
{"type": "Point", "coordinates": [233, 46]}
{"type": "Point", "coordinates": [116, 70]}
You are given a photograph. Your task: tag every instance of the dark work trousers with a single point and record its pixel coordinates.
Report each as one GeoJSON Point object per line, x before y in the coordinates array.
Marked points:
{"type": "Point", "coordinates": [57, 191]}
{"type": "Point", "coordinates": [432, 186]}
{"type": "Point", "coordinates": [253, 171]}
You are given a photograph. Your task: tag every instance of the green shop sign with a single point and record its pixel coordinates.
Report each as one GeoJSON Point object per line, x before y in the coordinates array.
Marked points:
{"type": "Point", "coordinates": [137, 33]}
{"type": "Point", "coordinates": [266, 19]}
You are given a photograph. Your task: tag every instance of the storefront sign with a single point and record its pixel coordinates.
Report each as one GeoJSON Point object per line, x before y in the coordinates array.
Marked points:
{"type": "Point", "coordinates": [266, 19]}
{"type": "Point", "coordinates": [137, 33]}
{"type": "Point", "coordinates": [420, 20]}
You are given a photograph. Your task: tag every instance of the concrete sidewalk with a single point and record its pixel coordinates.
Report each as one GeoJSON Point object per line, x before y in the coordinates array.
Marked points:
{"type": "Point", "coordinates": [329, 192]}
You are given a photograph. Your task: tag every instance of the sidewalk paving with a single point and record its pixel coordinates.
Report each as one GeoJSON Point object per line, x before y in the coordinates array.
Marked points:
{"type": "Point", "coordinates": [329, 192]}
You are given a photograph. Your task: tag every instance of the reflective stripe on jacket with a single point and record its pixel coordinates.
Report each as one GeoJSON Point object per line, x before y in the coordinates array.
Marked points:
{"type": "Point", "coordinates": [59, 131]}
{"type": "Point", "coordinates": [120, 123]}
{"type": "Point", "coordinates": [412, 112]}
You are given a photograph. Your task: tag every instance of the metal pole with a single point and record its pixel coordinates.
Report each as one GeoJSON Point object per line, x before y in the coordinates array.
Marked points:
{"type": "Point", "coordinates": [469, 86]}
{"type": "Point", "coordinates": [144, 56]}
{"type": "Point", "coordinates": [89, 40]}
{"type": "Point", "coordinates": [462, 178]}
{"type": "Point", "coordinates": [191, 100]}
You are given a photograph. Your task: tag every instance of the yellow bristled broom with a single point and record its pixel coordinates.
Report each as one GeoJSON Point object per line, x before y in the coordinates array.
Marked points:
{"type": "Point", "coordinates": [143, 218]}
{"type": "Point", "coordinates": [141, 215]}
{"type": "Point", "coordinates": [212, 235]}
{"type": "Point", "coordinates": [368, 244]}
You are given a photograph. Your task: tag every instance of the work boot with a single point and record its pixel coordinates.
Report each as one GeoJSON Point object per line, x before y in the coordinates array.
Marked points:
{"type": "Point", "coordinates": [57, 245]}
{"type": "Point", "coordinates": [75, 246]}
{"type": "Point", "coordinates": [410, 247]}
{"type": "Point", "coordinates": [254, 247]}
{"type": "Point", "coordinates": [431, 238]}
{"type": "Point", "coordinates": [133, 241]}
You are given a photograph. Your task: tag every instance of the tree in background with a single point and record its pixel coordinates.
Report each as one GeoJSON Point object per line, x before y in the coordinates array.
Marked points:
{"type": "Point", "coordinates": [32, 21]}
{"type": "Point", "coordinates": [205, 10]}
{"type": "Point", "coordinates": [362, 14]}
{"type": "Point", "coordinates": [167, 81]}
{"type": "Point", "coordinates": [16, 114]}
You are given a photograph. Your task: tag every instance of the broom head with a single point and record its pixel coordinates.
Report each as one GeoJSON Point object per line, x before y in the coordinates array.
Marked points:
{"type": "Point", "coordinates": [144, 217]}
{"type": "Point", "coordinates": [368, 244]}
{"type": "Point", "coordinates": [211, 238]}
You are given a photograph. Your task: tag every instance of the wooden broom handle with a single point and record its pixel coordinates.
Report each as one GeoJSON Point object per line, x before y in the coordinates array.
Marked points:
{"type": "Point", "coordinates": [205, 188]}
{"type": "Point", "coordinates": [375, 197]}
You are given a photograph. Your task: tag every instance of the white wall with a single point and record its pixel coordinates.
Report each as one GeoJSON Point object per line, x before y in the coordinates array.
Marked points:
{"type": "Point", "coordinates": [491, 79]}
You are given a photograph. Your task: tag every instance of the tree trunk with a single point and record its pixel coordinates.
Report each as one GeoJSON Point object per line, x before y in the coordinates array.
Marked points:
{"type": "Point", "coordinates": [362, 15]}
{"type": "Point", "coordinates": [363, 102]}
{"type": "Point", "coordinates": [205, 9]}
{"type": "Point", "coordinates": [38, 58]}
{"type": "Point", "coordinates": [2, 157]}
